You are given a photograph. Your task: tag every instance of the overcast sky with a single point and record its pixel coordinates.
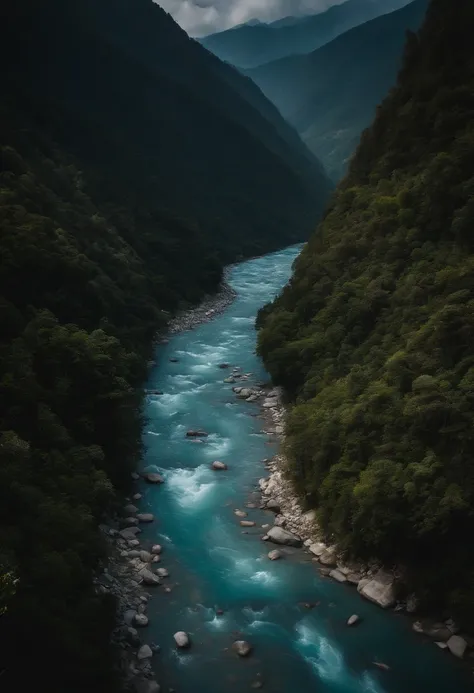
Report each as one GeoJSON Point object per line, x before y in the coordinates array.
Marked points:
{"type": "Point", "coordinates": [201, 17]}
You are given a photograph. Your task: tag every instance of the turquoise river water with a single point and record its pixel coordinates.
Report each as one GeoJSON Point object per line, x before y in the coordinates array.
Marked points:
{"type": "Point", "coordinates": [215, 564]}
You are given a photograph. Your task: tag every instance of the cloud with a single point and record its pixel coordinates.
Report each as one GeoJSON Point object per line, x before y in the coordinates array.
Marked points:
{"type": "Point", "coordinates": [201, 17]}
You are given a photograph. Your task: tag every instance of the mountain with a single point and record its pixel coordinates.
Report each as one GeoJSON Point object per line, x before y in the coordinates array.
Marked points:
{"type": "Point", "coordinates": [330, 95]}
{"type": "Point", "coordinates": [372, 338]}
{"type": "Point", "coordinates": [133, 165]}
{"type": "Point", "coordinates": [249, 46]}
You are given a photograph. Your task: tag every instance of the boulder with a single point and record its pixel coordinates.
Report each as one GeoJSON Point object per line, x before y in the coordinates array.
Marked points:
{"type": "Point", "coordinates": [144, 652]}
{"type": "Point", "coordinates": [148, 577]}
{"type": "Point", "coordinates": [129, 616]}
{"type": "Point", "coordinates": [442, 645]}
{"type": "Point", "coordinates": [224, 365]}
{"type": "Point", "coordinates": [457, 646]}
{"type": "Point", "coordinates": [240, 513]}
{"type": "Point", "coordinates": [380, 589]}
{"type": "Point", "coordinates": [278, 535]}
{"type": "Point", "coordinates": [156, 549]}
{"type": "Point", "coordinates": [129, 522]}
{"type": "Point", "coordinates": [131, 509]}
{"type": "Point", "coordinates": [354, 578]}
{"type": "Point", "coordinates": [129, 533]}
{"type": "Point", "coordinates": [328, 557]}
{"type": "Point", "coordinates": [219, 466]}
{"type": "Point", "coordinates": [337, 575]}
{"type": "Point", "coordinates": [137, 496]}
{"type": "Point", "coordinates": [140, 620]}
{"type": "Point", "coordinates": [145, 556]}
{"type": "Point", "coordinates": [435, 630]}
{"type": "Point", "coordinates": [153, 478]}
{"type": "Point", "coordinates": [196, 434]}
{"type": "Point", "coordinates": [317, 548]}
{"type": "Point", "coordinates": [274, 555]}
{"type": "Point", "coordinates": [247, 523]}
{"type": "Point", "coordinates": [181, 639]}
{"type": "Point", "coordinates": [353, 620]}
{"type": "Point", "coordinates": [270, 404]}
{"type": "Point", "coordinates": [145, 517]}
{"type": "Point", "coordinates": [133, 543]}
{"type": "Point", "coordinates": [272, 505]}
{"type": "Point", "coordinates": [242, 647]}
{"type": "Point", "coordinates": [162, 572]}
{"type": "Point", "coordinates": [135, 476]}
{"type": "Point", "coordinates": [134, 553]}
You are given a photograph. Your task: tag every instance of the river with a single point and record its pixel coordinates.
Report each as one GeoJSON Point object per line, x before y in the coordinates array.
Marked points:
{"type": "Point", "coordinates": [214, 564]}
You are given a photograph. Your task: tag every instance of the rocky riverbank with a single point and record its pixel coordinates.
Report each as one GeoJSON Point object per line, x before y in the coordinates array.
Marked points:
{"type": "Point", "coordinates": [299, 527]}
{"type": "Point", "coordinates": [132, 566]}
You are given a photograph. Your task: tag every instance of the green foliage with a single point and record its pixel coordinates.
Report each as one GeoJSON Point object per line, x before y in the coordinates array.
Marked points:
{"type": "Point", "coordinates": [373, 337]}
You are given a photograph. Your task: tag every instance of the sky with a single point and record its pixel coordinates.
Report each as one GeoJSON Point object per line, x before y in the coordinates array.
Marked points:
{"type": "Point", "coordinates": [201, 17]}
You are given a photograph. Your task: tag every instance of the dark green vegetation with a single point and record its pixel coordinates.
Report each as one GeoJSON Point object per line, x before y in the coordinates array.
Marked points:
{"type": "Point", "coordinates": [373, 338]}
{"type": "Point", "coordinates": [330, 95]}
{"type": "Point", "coordinates": [133, 165]}
{"type": "Point", "coordinates": [250, 45]}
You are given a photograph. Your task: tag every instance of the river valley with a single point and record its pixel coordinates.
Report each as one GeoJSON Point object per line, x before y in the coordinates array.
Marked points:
{"type": "Point", "coordinates": [222, 585]}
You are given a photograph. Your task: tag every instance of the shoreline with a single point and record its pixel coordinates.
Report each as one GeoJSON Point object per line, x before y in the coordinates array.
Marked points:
{"type": "Point", "coordinates": [131, 564]}
{"type": "Point", "coordinates": [373, 581]}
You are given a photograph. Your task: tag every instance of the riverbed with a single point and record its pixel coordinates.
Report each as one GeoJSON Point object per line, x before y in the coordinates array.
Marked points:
{"type": "Point", "coordinates": [222, 586]}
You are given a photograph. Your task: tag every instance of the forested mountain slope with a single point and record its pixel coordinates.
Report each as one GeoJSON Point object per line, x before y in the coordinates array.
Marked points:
{"type": "Point", "coordinates": [251, 45]}
{"type": "Point", "coordinates": [133, 165]}
{"type": "Point", "coordinates": [330, 95]}
{"type": "Point", "coordinates": [373, 337]}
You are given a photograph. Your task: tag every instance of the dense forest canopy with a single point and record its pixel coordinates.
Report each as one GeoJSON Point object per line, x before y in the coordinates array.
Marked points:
{"type": "Point", "coordinates": [133, 165]}
{"type": "Point", "coordinates": [373, 337]}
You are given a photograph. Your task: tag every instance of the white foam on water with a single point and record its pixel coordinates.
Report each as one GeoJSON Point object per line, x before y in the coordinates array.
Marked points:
{"type": "Point", "coordinates": [253, 614]}
{"type": "Point", "coordinates": [153, 433]}
{"type": "Point", "coordinates": [217, 446]}
{"type": "Point", "coordinates": [243, 319]}
{"type": "Point", "coordinates": [263, 577]}
{"type": "Point", "coordinates": [183, 660]}
{"type": "Point", "coordinates": [328, 664]}
{"type": "Point", "coordinates": [190, 487]}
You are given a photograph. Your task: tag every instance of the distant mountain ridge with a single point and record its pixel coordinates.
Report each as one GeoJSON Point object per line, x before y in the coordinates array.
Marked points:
{"type": "Point", "coordinates": [249, 46]}
{"type": "Point", "coordinates": [331, 95]}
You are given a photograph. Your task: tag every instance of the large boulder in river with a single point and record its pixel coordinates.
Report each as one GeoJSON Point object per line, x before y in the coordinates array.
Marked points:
{"type": "Point", "coordinates": [156, 549]}
{"type": "Point", "coordinates": [278, 535]}
{"type": "Point", "coordinates": [457, 646]}
{"type": "Point", "coordinates": [219, 466]}
{"type": "Point", "coordinates": [274, 555]}
{"type": "Point", "coordinates": [145, 517]}
{"type": "Point", "coordinates": [149, 578]}
{"type": "Point", "coordinates": [145, 652]}
{"type": "Point", "coordinates": [181, 639]}
{"type": "Point", "coordinates": [129, 533]}
{"type": "Point", "coordinates": [380, 589]}
{"type": "Point", "coordinates": [196, 434]}
{"type": "Point", "coordinates": [153, 478]}
{"type": "Point", "coordinates": [242, 647]}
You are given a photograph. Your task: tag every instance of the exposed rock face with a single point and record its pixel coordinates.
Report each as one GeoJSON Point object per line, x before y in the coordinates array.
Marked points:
{"type": "Point", "coordinates": [278, 535]}
{"type": "Point", "coordinates": [457, 646]}
{"type": "Point", "coordinates": [181, 639]}
{"type": "Point", "coordinates": [219, 466]}
{"type": "Point", "coordinates": [242, 647]}
{"type": "Point", "coordinates": [380, 589]}
{"type": "Point", "coordinates": [274, 555]}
